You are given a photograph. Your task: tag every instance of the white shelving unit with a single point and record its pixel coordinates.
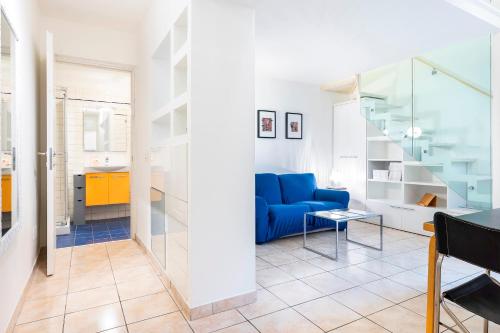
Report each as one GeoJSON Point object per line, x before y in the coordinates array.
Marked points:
{"type": "Point", "coordinates": [170, 146]}
{"type": "Point", "coordinates": [397, 199]}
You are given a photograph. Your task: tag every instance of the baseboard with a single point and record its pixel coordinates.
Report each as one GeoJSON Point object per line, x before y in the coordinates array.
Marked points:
{"type": "Point", "coordinates": [20, 303]}
{"type": "Point", "coordinates": [203, 310]}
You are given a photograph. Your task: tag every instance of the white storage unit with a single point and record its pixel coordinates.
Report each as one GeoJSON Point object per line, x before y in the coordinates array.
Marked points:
{"type": "Point", "coordinates": [202, 125]}
{"type": "Point", "coordinates": [396, 199]}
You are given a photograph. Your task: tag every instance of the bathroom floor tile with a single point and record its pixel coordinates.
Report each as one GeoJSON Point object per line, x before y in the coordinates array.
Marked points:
{"type": "Point", "coordinates": [91, 298]}
{"type": "Point", "coordinates": [146, 307]}
{"type": "Point", "coordinates": [41, 309]}
{"type": "Point", "coordinates": [51, 325]}
{"type": "Point", "coordinates": [139, 287]}
{"type": "Point", "coordinates": [285, 321]}
{"type": "Point", "coordinates": [217, 321]}
{"type": "Point", "coordinates": [173, 322]}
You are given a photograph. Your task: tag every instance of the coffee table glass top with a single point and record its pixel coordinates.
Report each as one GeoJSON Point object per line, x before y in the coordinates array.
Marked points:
{"type": "Point", "coordinates": [343, 214]}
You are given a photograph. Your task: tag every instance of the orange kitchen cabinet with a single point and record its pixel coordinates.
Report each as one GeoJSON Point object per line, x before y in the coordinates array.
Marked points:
{"type": "Point", "coordinates": [119, 188]}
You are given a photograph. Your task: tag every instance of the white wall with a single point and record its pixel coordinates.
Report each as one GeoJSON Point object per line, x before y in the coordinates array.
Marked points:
{"type": "Point", "coordinates": [311, 154]}
{"type": "Point", "coordinates": [91, 42]}
{"type": "Point", "coordinates": [18, 258]}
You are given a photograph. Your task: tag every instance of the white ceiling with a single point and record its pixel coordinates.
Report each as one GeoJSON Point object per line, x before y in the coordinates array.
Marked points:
{"type": "Point", "coordinates": [319, 41]}
{"type": "Point", "coordinates": [114, 14]}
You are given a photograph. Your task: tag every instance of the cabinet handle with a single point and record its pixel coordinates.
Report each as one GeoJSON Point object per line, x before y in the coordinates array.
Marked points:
{"type": "Point", "coordinates": [403, 208]}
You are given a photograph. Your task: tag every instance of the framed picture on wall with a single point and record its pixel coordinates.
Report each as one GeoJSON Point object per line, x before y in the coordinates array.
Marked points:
{"type": "Point", "coordinates": [293, 125]}
{"type": "Point", "coordinates": [266, 124]}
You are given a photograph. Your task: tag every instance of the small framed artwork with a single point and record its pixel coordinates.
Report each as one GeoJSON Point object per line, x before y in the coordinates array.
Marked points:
{"type": "Point", "coordinates": [266, 124]}
{"type": "Point", "coordinates": [293, 125]}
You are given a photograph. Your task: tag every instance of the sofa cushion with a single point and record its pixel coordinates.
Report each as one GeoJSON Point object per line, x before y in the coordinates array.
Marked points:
{"type": "Point", "coordinates": [315, 206]}
{"type": "Point", "coordinates": [286, 220]}
{"type": "Point", "coordinates": [297, 187]}
{"type": "Point", "coordinates": [267, 186]}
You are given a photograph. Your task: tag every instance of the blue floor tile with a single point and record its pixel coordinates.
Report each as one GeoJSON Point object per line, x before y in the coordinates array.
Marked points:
{"type": "Point", "coordinates": [98, 231]}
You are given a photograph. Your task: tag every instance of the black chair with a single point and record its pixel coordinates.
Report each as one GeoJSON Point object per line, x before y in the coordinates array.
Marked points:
{"type": "Point", "coordinates": [478, 245]}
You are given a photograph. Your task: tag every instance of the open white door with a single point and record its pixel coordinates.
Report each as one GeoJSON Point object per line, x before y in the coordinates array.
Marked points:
{"type": "Point", "coordinates": [51, 222]}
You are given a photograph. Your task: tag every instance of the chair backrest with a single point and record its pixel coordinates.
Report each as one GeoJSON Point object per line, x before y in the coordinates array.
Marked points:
{"type": "Point", "coordinates": [467, 241]}
{"type": "Point", "coordinates": [297, 187]}
{"type": "Point", "coordinates": [267, 186]}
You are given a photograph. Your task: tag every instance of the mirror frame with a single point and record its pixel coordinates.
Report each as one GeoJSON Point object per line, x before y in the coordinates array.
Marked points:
{"type": "Point", "coordinates": [16, 222]}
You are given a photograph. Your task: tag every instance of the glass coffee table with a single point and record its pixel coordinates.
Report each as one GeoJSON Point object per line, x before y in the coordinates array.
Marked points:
{"type": "Point", "coordinates": [339, 216]}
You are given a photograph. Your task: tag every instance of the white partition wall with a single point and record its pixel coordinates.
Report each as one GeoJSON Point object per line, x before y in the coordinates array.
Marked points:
{"type": "Point", "coordinates": [202, 154]}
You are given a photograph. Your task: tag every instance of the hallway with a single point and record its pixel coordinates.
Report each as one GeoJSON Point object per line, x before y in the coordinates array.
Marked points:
{"type": "Point", "coordinates": [100, 287]}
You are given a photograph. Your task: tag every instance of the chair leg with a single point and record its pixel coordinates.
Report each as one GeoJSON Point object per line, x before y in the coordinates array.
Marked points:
{"type": "Point", "coordinates": [454, 317]}
{"type": "Point", "coordinates": [437, 293]}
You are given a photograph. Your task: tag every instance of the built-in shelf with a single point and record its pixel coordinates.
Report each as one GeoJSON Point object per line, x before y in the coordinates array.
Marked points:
{"type": "Point", "coordinates": [180, 77]}
{"type": "Point", "coordinates": [180, 29]}
{"type": "Point", "coordinates": [463, 160]}
{"type": "Point", "coordinates": [385, 181]}
{"type": "Point", "coordinates": [179, 101]}
{"type": "Point", "coordinates": [423, 164]}
{"type": "Point", "coordinates": [425, 184]}
{"type": "Point", "coordinates": [383, 160]}
{"type": "Point", "coordinates": [161, 114]}
{"type": "Point", "coordinates": [382, 138]}
{"type": "Point", "coordinates": [180, 54]}
{"type": "Point", "coordinates": [180, 120]}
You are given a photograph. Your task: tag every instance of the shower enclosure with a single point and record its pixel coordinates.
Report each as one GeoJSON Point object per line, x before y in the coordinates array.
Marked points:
{"type": "Point", "coordinates": [61, 161]}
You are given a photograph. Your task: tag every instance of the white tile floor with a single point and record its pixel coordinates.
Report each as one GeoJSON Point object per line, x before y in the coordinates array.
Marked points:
{"type": "Point", "coordinates": [366, 290]}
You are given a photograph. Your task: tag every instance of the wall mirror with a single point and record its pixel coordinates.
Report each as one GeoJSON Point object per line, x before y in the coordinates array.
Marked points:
{"type": "Point", "coordinates": [7, 135]}
{"type": "Point", "coordinates": [105, 129]}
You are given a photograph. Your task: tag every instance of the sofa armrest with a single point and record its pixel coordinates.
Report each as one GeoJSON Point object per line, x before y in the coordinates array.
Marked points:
{"type": "Point", "coordinates": [341, 197]}
{"type": "Point", "coordinates": [261, 219]}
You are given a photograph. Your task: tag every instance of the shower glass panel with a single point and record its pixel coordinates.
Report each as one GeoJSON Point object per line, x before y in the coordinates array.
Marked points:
{"type": "Point", "coordinates": [452, 111]}
{"type": "Point", "coordinates": [158, 236]}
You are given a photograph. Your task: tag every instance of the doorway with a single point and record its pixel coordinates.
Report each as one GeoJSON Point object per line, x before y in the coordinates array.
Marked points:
{"type": "Point", "coordinates": [92, 140]}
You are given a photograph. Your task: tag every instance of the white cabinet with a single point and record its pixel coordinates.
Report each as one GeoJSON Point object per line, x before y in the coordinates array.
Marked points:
{"type": "Point", "coordinates": [349, 150]}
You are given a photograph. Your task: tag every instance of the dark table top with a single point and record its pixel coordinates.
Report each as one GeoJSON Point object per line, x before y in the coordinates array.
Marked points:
{"type": "Point", "coordinates": [488, 218]}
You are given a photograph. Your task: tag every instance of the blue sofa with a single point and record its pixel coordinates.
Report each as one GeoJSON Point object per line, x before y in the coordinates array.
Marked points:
{"type": "Point", "coordinates": [282, 200]}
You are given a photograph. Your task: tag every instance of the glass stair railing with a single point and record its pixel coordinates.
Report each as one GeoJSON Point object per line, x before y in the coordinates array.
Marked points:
{"type": "Point", "coordinates": [436, 108]}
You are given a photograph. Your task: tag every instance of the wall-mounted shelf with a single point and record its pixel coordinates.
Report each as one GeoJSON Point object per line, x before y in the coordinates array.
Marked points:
{"type": "Point", "coordinates": [385, 181]}
{"type": "Point", "coordinates": [425, 184]}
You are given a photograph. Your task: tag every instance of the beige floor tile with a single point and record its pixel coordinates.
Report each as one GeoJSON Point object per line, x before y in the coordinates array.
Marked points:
{"type": "Point", "coordinates": [132, 273]}
{"type": "Point", "coordinates": [409, 260]}
{"type": "Point", "coordinates": [139, 287]}
{"type": "Point", "coordinates": [261, 264]}
{"type": "Point", "coordinates": [327, 283]}
{"type": "Point", "coordinates": [390, 290]}
{"type": "Point", "coordinates": [301, 269]}
{"type": "Point", "coordinates": [90, 280]}
{"type": "Point", "coordinates": [171, 323]}
{"type": "Point", "coordinates": [94, 320]}
{"type": "Point", "coordinates": [122, 262]}
{"type": "Point", "coordinates": [362, 301]}
{"type": "Point", "coordinates": [240, 328]}
{"type": "Point", "coordinates": [91, 298]}
{"type": "Point", "coordinates": [399, 320]}
{"type": "Point", "coordinates": [51, 325]}
{"type": "Point", "coordinates": [285, 321]}
{"type": "Point", "coordinates": [122, 329]}
{"type": "Point", "coordinates": [217, 321]}
{"type": "Point", "coordinates": [41, 309]}
{"type": "Point", "coordinates": [353, 258]}
{"type": "Point", "coordinates": [148, 307]}
{"type": "Point", "coordinates": [327, 313]}
{"type": "Point", "coordinates": [381, 268]}
{"type": "Point", "coordinates": [419, 306]}
{"type": "Point", "coordinates": [356, 275]}
{"type": "Point", "coordinates": [280, 258]}
{"type": "Point", "coordinates": [47, 288]}
{"type": "Point", "coordinates": [411, 279]}
{"type": "Point", "coordinates": [295, 292]}
{"type": "Point", "coordinates": [266, 303]}
{"type": "Point", "coordinates": [272, 276]}
{"type": "Point", "coordinates": [475, 324]}
{"type": "Point", "coordinates": [95, 267]}
{"type": "Point", "coordinates": [327, 264]}
{"type": "Point", "coordinates": [361, 326]}
{"type": "Point", "coordinates": [303, 254]}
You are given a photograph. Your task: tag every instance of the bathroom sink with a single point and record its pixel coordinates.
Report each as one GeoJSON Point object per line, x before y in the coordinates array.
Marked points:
{"type": "Point", "coordinates": [106, 168]}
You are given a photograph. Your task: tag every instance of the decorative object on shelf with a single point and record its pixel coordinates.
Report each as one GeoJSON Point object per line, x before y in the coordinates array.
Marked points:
{"type": "Point", "coordinates": [380, 174]}
{"type": "Point", "coordinates": [293, 125]}
{"type": "Point", "coordinates": [428, 200]}
{"type": "Point", "coordinates": [396, 171]}
{"type": "Point", "coordinates": [266, 124]}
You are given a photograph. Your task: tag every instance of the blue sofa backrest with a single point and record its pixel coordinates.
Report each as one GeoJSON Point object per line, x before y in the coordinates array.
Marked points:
{"type": "Point", "coordinates": [297, 187]}
{"type": "Point", "coordinates": [267, 186]}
